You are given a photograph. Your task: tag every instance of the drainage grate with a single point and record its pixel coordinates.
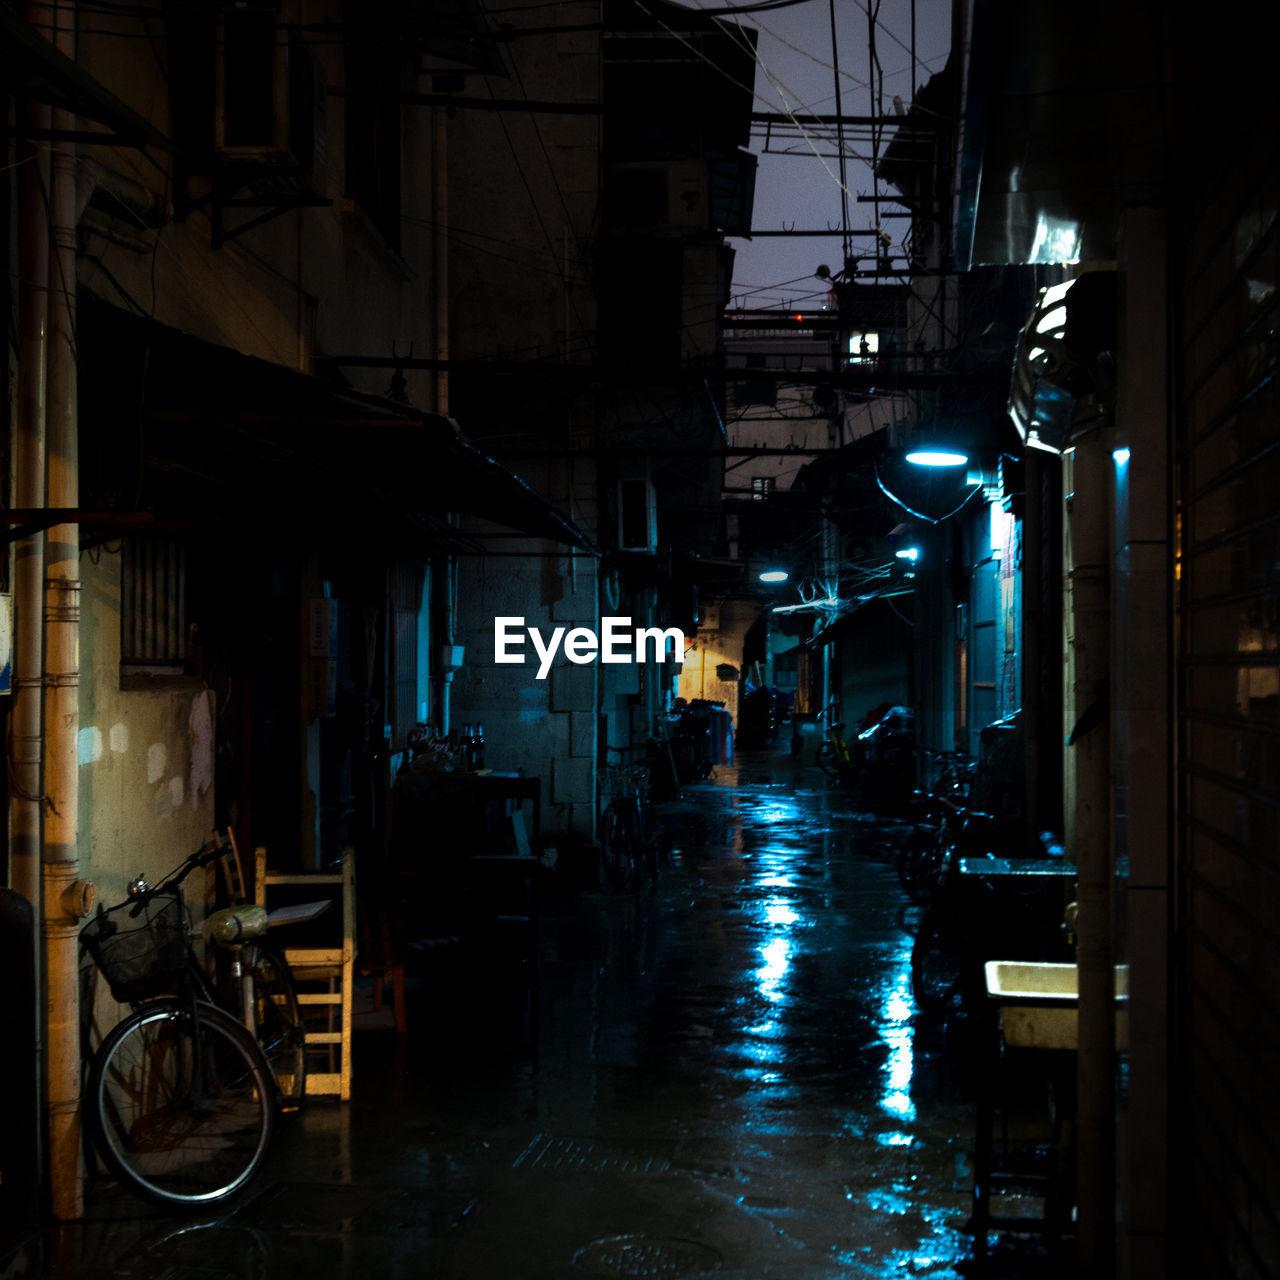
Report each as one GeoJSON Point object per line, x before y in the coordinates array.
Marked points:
{"type": "Point", "coordinates": [645, 1256]}
{"type": "Point", "coordinates": [585, 1155]}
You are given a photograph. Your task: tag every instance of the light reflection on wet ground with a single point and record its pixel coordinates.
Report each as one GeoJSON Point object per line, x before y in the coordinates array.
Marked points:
{"type": "Point", "coordinates": [725, 1070]}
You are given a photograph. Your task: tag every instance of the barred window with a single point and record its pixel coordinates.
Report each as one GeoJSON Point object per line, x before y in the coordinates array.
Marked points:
{"type": "Point", "coordinates": [153, 606]}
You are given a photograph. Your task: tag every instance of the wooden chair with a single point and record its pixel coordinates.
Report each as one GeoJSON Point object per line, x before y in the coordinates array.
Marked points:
{"type": "Point", "coordinates": [322, 974]}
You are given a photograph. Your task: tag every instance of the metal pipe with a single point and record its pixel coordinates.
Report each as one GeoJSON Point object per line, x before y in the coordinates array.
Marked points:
{"type": "Point", "coordinates": [29, 492]}
{"type": "Point", "coordinates": [1088, 508]}
{"type": "Point", "coordinates": [25, 722]}
{"type": "Point", "coordinates": [64, 898]}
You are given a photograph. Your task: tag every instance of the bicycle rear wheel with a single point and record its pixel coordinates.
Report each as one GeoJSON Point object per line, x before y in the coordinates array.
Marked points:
{"type": "Point", "coordinates": [937, 960]}
{"type": "Point", "coordinates": [181, 1107]}
{"type": "Point", "coordinates": [278, 1018]}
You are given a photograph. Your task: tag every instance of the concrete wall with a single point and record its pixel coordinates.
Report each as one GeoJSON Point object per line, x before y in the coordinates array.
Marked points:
{"type": "Point", "coordinates": [539, 728]}
{"type": "Point", "coordinates": [146, 762]}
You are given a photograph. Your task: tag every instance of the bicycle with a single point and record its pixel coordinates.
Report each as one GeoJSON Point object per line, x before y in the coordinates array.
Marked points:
{"type": "Point", "coordinates": [940, 810]}
{"type": "Point", "coordinates": [182, 1097]}
{"type": "Point", "coordinates": [983, 898]}
{"type": "Point", "coordinates": [835, 757]}
{"type": "Point", "coordinates": [627, 836]}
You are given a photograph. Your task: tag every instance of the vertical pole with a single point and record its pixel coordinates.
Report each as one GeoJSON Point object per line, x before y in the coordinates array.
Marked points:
{"type": "Point", "coordinates": [1032, 640]}
{"type": "Point", "coordinates": [440, 252]}
{"type": "Point", "coordinates": [29, 491]}
{"type": "Point", "coordinates": [26, 784]}
{"type": "Point", "coordinates": [62, 676]}
{"type": "Point", "coordinates": [1089, 640]}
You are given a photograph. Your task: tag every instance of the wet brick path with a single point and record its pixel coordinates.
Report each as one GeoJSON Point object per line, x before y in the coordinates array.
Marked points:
{"type": "Point", "coordinates": [722, 1074]}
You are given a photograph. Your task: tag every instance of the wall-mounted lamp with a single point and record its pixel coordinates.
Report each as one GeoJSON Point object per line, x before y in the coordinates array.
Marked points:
{"type": "Point", "coordinates": [908, 553]}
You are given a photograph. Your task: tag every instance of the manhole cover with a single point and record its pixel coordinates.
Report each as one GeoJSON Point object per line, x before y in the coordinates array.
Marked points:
{"type": "Point", "coordinates": [642, 1256]}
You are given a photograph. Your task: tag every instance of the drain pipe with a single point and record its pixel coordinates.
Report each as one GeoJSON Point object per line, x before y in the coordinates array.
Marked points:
{"type": "Point", "coordinates": [1088, 509]}
{"type": "Point", "coordinates": [65, 898]}
{"type": "Point", "coordinates": [25, 741]}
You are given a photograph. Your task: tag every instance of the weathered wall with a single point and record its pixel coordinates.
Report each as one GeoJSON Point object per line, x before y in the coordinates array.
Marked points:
{"type": "Point", "coordinates": [146, 759]}
{"type": "Point", "coordinates": [310, 280]}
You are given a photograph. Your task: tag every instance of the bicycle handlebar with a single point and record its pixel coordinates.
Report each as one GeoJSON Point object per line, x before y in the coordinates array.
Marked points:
{"type": "Point", "coordinates": [208, 852]}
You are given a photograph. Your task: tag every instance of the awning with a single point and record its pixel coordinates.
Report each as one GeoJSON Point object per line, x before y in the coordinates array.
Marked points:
{"type": "Point", "coordinates": [180, 419]}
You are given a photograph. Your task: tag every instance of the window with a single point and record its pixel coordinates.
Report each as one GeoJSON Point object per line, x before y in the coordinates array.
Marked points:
{"type": "Point", "coordinates": [373, 130]}
{"type": "Point", "coordinates": [863, 347]}
{"type": "Point", "coordinates": [153, 607]}
{"type": "Point", "coordinates": [761, 488]}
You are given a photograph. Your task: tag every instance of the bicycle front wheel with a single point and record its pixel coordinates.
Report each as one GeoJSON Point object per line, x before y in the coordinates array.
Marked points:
{"type": "Point", "coordinates": [278, 1018]}
{"type": "Point", "coordinates": [181, 1107]}
{"type": "Point", "coordinates": [923, 861]}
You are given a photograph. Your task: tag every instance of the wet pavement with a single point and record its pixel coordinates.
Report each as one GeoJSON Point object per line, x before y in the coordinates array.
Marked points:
{"type": "Point", "coordinates": [723, 1073]}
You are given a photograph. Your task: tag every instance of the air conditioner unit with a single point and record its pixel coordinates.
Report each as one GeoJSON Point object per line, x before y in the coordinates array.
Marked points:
{"type": "Point", "coordinates": [637, 515]}
{"type": "Point", "coordinates": [269, 98]}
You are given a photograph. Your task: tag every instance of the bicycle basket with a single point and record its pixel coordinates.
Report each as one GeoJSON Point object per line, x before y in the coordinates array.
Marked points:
{"type": "Point", "coordinates": [141, 950]}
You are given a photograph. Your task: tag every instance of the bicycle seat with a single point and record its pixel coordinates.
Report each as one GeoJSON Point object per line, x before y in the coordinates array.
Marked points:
{"type": "Point", "coordinates": [235, 924]}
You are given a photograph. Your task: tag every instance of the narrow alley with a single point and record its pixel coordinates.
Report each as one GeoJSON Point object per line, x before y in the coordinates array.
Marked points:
{"type": "Point", "coordinates": [724, 1072]}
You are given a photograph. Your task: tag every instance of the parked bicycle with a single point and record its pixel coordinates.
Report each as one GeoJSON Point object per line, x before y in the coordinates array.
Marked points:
{"type": "Point", "coordinates": [943, 954]}
{"type": "Point", "coordinates": [836, 758]}
{"type": "Point", "coordinates": [983, 900]}
{"type": "Point", "coordinates": [939, 818]}
{"type": "Point", "coordinates": [183, 1094]}
{"type": "Point", "coordinates": [628, 840]}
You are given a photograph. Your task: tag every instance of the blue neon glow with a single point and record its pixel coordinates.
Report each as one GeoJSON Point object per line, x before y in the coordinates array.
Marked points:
{"type": "Point", "coordinates": [1121, 457]}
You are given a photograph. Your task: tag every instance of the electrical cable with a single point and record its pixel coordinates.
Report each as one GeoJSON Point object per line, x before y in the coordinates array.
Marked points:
{"type": "Point", "coordinates": [920, 515]}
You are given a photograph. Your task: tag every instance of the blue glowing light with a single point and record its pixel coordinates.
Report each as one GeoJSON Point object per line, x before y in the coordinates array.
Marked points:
{"type": "Point", "coordinates": [937, 458]}
{"type": "Point", "coordinates": [1121, 457]}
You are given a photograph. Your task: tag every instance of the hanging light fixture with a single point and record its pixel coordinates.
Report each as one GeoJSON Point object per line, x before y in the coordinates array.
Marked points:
{"type": "Point", "coordinates": [937, 456]}
{"type": "Point", "coordinates": [935, 448]}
